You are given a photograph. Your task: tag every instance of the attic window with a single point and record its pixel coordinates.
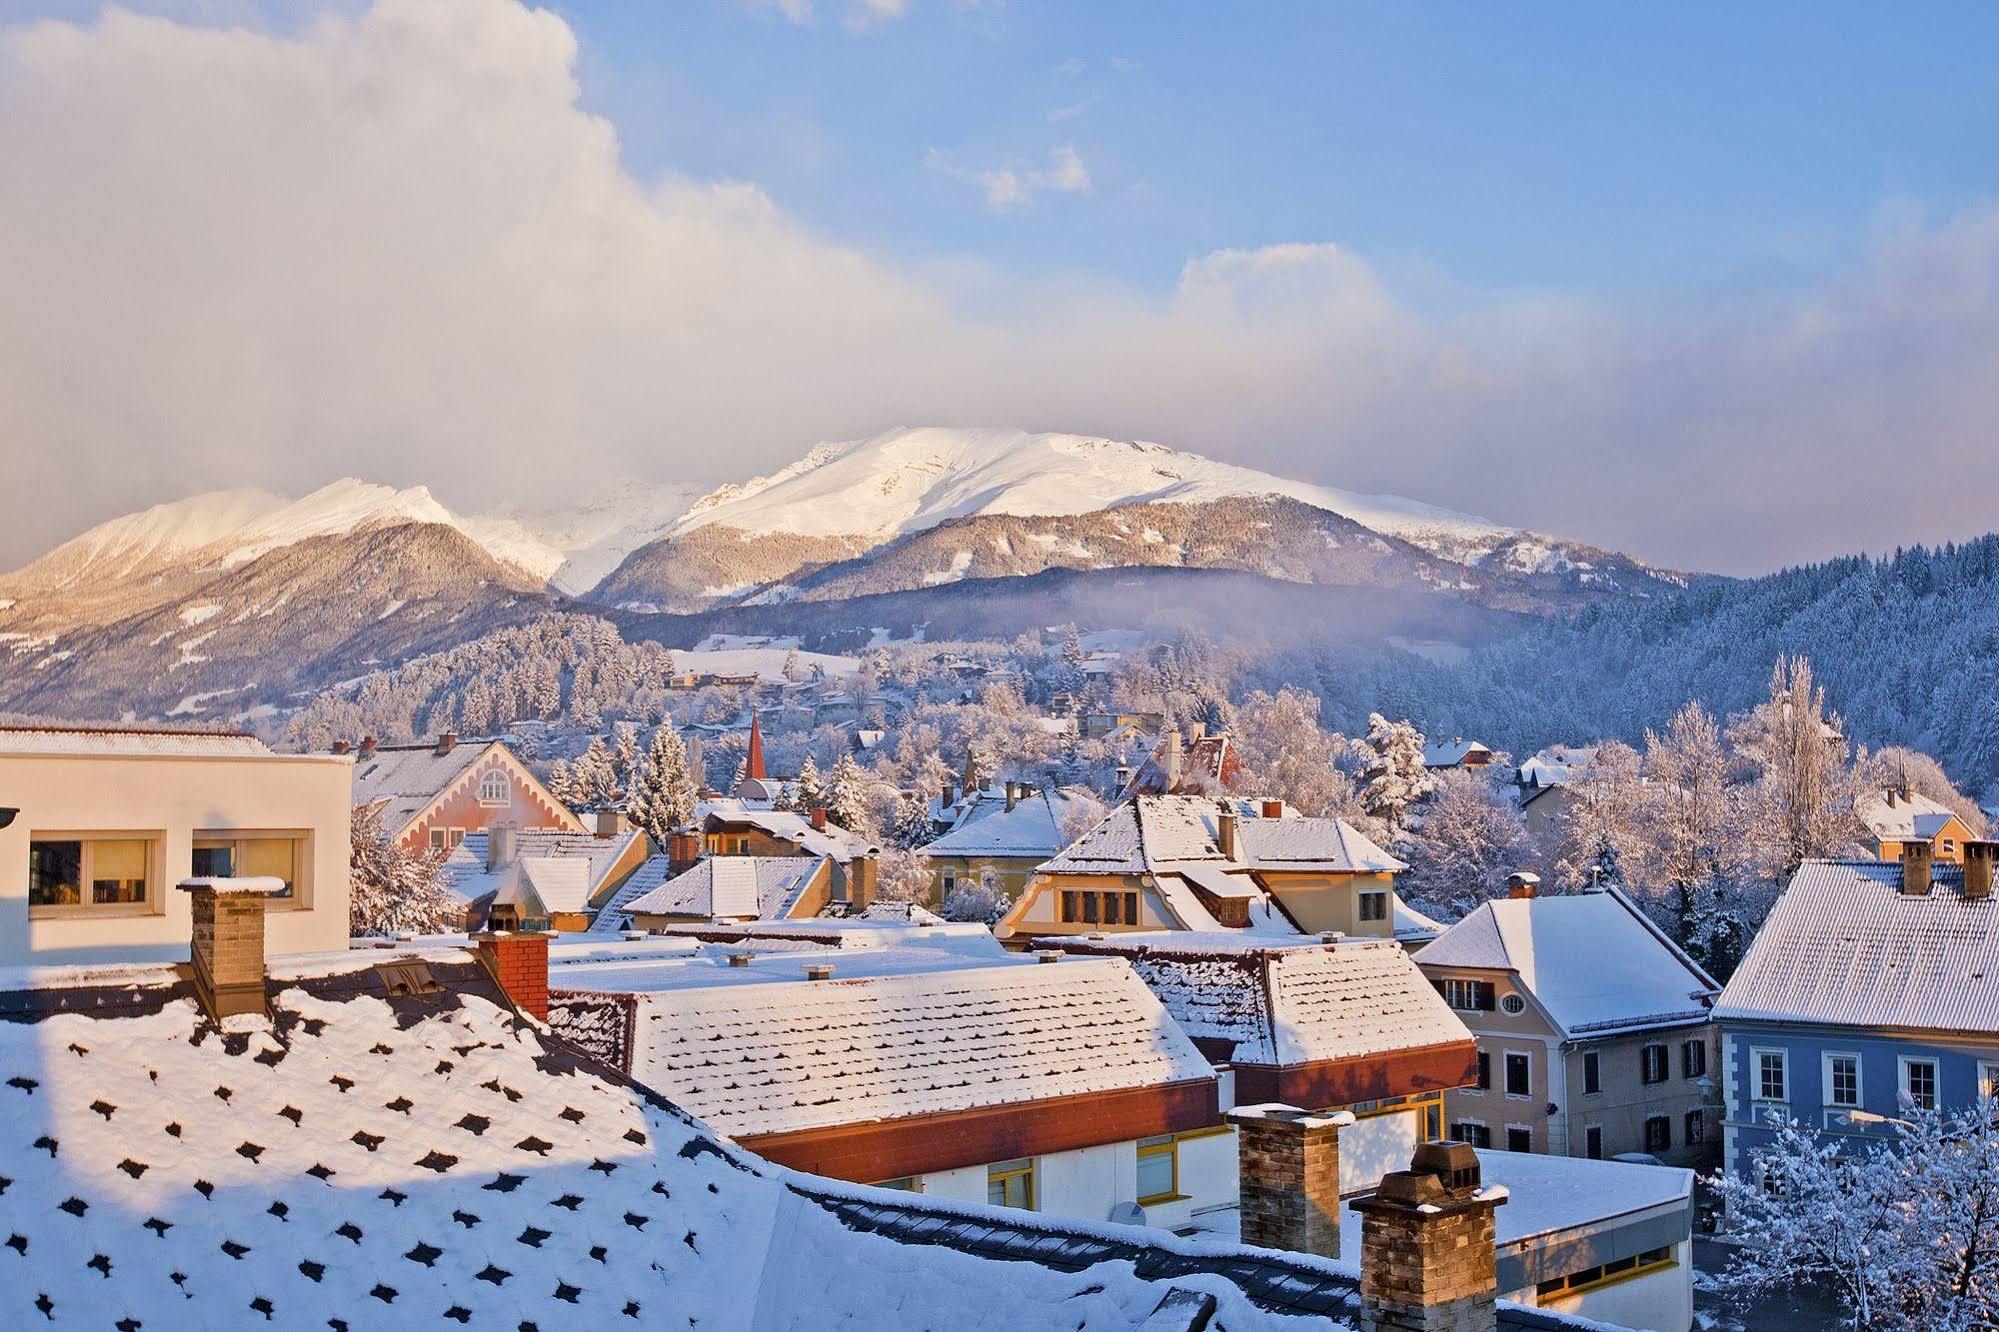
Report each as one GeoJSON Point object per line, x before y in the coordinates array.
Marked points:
{"type": "Point", "coordinates": [407, 977]}
{"type": "Point", "coordinates": [493, 788]}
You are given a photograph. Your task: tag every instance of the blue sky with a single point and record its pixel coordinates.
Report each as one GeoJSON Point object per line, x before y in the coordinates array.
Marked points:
{"type": "Point", "coordinates": [1677, 279]}
{"type": "Point", "coordinates": [1623, 149]}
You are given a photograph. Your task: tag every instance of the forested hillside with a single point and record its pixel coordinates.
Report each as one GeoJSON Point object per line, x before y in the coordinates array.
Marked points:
{"type": "Point", "coordinates": [1907, 648]}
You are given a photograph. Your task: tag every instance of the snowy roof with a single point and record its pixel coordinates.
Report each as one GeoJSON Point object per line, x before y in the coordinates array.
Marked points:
{"type": "Point", "coordinates": [413, 770]}
{"type": "Point", "coordinates": [1844, 945]}
{"type": "Point", "coordinates": [466, 875]}
{"type": "Point", "coordinates": [698, 957]}
{"type": "Point", "coordinates": [1153, 833]}
{"type": "Point", "coordinates": [774, 1058]}
{"type": "Point", "coordinates": [727, 887]}
{"type": "Point", "coordinates": [427, 1160]}
{"type": "Point", "coordinates": [1449, 754]}
{"type": "Point", "coordinates": [1033, 827]}
{"type": "Point", "coordinates": [791, 826]}
{"type": "Point", "coordinates": [1894, 817]}
{"type": "Point", "coordinates": [1552, 766]}
{"type": "Point", "coordinates": [1591, 960]}
{"type": "Point", "coordinates": [911, 913]}
{"type": "Point", "coordinates": [131, 741]}
{"type": "Point", "coordinates": [1287, 1005]}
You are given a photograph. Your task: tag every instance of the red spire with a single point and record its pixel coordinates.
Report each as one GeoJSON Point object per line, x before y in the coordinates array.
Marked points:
{"type": "Point", "coordinates": [753, 767]}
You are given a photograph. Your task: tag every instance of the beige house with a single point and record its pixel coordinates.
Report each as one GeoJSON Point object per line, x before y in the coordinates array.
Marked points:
{"type": "Point", "coordinates": [1011, 828]}
{"type": "Point", "coordinates": [1594, 1029]}
{"type": "Point", "coordinates": [1166, 862]}
{"type": "Point", "coordinates": [104, 822]}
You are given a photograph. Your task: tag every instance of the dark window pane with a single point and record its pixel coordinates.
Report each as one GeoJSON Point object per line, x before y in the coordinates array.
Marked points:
{"type": "Point", "coordinates": [55, 873]}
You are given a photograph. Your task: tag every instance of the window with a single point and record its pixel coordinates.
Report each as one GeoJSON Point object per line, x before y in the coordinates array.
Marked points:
{"type": "Point", "coordinates": [1011, 1184]}
{"type": "Point", "coordinates": [1513, 1004]}
{"type": "Point", "coordinates": [1988, 1080]}
{"type": "Point", "coordinates": [1658, 1133]}
{"type": "Point", "coordinates": [1919, 1083]}
{"type": "Point", "coordinates": [1842, 1080]}
{"type": "Point", "coordinates": [1089, 908]}
{"type": "Point", "coordinates": [1652, 1065]}
{"type": "Point", "coordinates": [1622, 1269]}
{"type": "Point", "coordinates": [1158, 1170]}
{"type": "Point", "coordinates": [903, 1184]}
{"type": "Point", "coordinates": [1696, 1128]}
{"type": "Point", "coordinates": [1433, 1120]}
{"type": "Point", "coordinates": [1693, 1059]}
{"type": "Point", "coordinates": [1484, 1082]}
{"type": "Point", "coordinates": [1471, 1131]}
{"type": "Point", "coordinates": [446, 837]}
{"type": "Point", "coordinates": [1519, 1138]}
{"type": "Point", "coordinates": [1467, 996]}
{"type": "Point", "coordinates": [949, 878]}
{"type": "Point", "coordinates": [1519, 1074]}
{"type": "Point", "coordinates": [1374, 906]}
{"type": "Point", "coordinates": [89, 875]}
{"type": "Point", "coordinates": [1771, 1082]}
{"type": "Point", "coordinates": [1593, 1142]}
{"type": "Point", "coordinates": [494, 788]}
{"type": "Point", "coordinates": [243, 856]}
{"type": "Point", "coordinates": [1592, 1073]}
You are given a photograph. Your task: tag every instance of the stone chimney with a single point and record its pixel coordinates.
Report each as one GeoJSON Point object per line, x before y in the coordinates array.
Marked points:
{"type": "Point", "coordinates": [502, 845]}
{"type": "Point", "coordinates": [1225, 833]}
{"type": "Point", "coordinates": [1427, 1262]}
{"type": "Point", "coordinates": [610, 823]}
{"type": "Point", "coordinates": [861, 878]}
{"type": "Point", "coordinates": [1979, 855]}
{"type": "Point", "coordinates": [367, 746]}
{"type": "Point", "coordinates": [1273, 809]}
{"type": "Point", "coordinates": [683, 848]}
{"type": "Point", "coordinates": [948, 798]}
{"type": "Point", "coordinates": [819, 971]}
{"type": "Point", "coordinates": [519, 962]}
{"type": "Point", "coordinates": [1523, 885]}
{"type": "Point", "coordinates": [818, 817]}
{"type": "Point", "coordinates": [447, 741]}
{"type": "Point", "coordinates": [1012, 795]}
{"type": "Point", "coordinates": [341, 746]}
{"type": "Point", "coordinates": [1289, 1163]}
{"type": "Point", "coordinates": [1169, 757]}
{"type": "Point", "coordinates": [227, 948]}
{"type": "Point", "coordinates": [1916, 859]}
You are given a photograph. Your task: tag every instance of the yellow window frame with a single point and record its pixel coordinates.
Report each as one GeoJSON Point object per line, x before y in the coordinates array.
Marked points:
{"type": "Point", "coordinates": [1168, 1146]}
{"type": "Point", "coordinates": [1021, 1169]}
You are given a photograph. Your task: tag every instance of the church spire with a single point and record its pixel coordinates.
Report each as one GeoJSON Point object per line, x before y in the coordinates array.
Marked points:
{"type": "Point", "coordinates": [753, 766]}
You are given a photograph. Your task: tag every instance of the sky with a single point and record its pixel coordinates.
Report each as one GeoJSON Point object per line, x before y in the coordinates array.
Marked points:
{"type": "Point", "coordinates": [1714, 284]}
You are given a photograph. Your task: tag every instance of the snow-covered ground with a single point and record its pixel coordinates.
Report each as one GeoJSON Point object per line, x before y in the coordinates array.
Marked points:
{"type": "Point", "coordinates": [766, 662]}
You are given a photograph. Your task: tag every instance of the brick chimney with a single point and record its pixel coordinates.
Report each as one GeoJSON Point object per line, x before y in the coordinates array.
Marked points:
{"type": "Point", "coordinates": [502, 845]}
{"type": "Point", "coordinates": [519, 962]}
{"type": "Point", "coordinates": [1012, 795]}
{"type": "Point", "coordinates": [1427, 1262]}
{"type": "Point", "coordinates": [227, 948]}
{"type": "Point", "coordinates": [1916, 860]}
{"type": "Point", "coordinates": [367, 746]}
{"type": "Point", "coordinates": [818, 817]}
{"type": "Point", "coordinates": [1979, 855]}
{"type": "Point", "coordinates": [1225, 833]}
{"type": "Point", "coordinates": [683, 848]}
{"type": "Point", "coordinates": [1289, 1165]}
{"type": "Point", "coordinates": [341, 746]}
{"type": "Point", "coordinates": [1273, 809]}
{"type": "Point", "coordinates": [1522, 886]}
{"type": "Point", "coordinates": [610, 823]}
{"type": "Point", "coordinates": [447, 741]}
{"type": "Point", "coordinates": [862, 875]}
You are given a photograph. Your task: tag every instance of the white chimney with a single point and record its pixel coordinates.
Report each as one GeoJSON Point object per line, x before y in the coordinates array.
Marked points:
{"type": "Point", "coordinates": [501, 844]}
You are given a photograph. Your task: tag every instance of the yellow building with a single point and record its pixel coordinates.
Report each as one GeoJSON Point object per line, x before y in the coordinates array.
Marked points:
{"type": "Point", "coordinates": [1198, 863]}
{"type": "Point", "coordinates": [1896, 818]}
{"type": "Point", "coordinates": [1010, 828]}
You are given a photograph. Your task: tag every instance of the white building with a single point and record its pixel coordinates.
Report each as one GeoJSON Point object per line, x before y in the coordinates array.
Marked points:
{"type": "Point", "coordinates": [102, 822]}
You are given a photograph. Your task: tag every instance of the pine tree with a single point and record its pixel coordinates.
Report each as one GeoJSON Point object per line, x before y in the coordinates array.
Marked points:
{"type": "Point", "coordinates": [392, 889]}
{"type": "Point", "coordinates": [625, 757]}
{"type": "Point", "coordinates": [1398, 778]}
{"type": "Point", "coordinates": [847, 796]}
{"type": "Point", "coordinates": [793, 670]}
{"type": "Point", "coordinates": [561, 784]}
{"type": "Point", "coordinates": [811, 786]}
{"type": "Point", "coordinates": [595, 779]}
{"type": "Point", "coordinates": [664, 797]}
{"type": "Point", "coordinates": [909, 827]}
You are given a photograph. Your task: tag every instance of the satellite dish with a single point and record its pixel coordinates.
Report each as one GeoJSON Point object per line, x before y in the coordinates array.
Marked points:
{"type": "Point", "coordinates": [1128, 1214]}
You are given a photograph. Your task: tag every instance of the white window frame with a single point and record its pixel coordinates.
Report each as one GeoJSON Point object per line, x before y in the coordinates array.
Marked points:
{"type": "Point", "coordinates": [1512, 1003]}
{"type": "Point", "coordinates": [1665, 1052]}
{"type": "Point", "coordinates": [506, 794]}
{"type": "Point", "coordinates": [1506, 1082]}
{"type": "Point", "coordinates": [1476, 1123]}
{"type": "Point", "coordinates": [84, 909]}
{"type": "Point", "coordinates": [301, 840]}
{"type": "Point", "coordinates": [1756, 1053]}
{"type": "Point", "coordinates": [1904, 1063]}
{"type": "Point", "coordinates": [1988, 1078]}
{"type": "Point", "coordinates": [1859, 1086]}
{"type": "Point", "coordinates": [1528, 1129]}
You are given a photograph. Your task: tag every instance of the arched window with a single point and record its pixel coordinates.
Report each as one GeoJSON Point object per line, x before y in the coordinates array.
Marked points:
{"type": "Point", "coordinates": [493, 788]}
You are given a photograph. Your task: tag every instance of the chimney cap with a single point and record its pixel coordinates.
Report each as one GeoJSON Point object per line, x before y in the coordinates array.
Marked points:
{"type": "Point", "coordinates": [818, 971]}
{"type": "Point", "coordinates": [1048, 955]}
{"type": "Point", "coordinates": [258, 884]}
{"type": "Point", "coordinates": [1522, 884]}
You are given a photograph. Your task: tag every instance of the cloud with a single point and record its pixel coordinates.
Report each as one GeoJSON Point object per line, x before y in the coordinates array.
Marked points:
{"type": "Point", "coordinates": [1008, 188]}
{"type": "Point", "coordinates": [861, 14]}
{"type": "Point", "coordinates": [396, 246]}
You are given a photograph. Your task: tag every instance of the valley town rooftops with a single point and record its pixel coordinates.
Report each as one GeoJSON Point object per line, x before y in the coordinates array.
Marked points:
{"type": "Point", "coordinates": [466, 875]}
{"type": "Point", "coordinates": [1845, 945]}
{"type": "Point", "coordinates": [363, 1159]}
{"type": "Point", "coordinates": [1155, 833]}
{"type": "Point", "coordinates": [722, 887]}
{"type": "Point", "coordinates": [1591, 960]}
{"type": "Point", "coordinates": [1033, 827]}
{"type": "Point", "coordinates": [1278, 1004]}
{"type": "Point", "coordinates": [751, 1060]}
{"type": "Point", "coordinates": [788, 825]}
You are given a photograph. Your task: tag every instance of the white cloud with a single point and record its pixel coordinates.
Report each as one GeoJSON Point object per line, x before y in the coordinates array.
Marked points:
{"type": "Point", "coordinates": [861, 14]}
{"type": "Point", "coordinates": [396, 246]}
{"type": "Point", "coordinates": [1007, 188]}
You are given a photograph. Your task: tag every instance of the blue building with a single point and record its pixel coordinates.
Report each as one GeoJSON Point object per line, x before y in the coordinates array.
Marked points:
{"type": "Point", "coordinates": [1873, 988]}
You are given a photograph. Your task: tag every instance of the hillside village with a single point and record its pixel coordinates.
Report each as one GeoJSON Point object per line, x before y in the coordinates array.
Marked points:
{"type": "Point", "coordinates": [1076, 955]}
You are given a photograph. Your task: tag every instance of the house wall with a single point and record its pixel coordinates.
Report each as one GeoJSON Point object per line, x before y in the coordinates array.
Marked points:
{"type": "Point", "coordinates": [1626, 1101]}
{"type": "Point", "coordinates": [1013, 871]}
{"type": "Point", "coordinates": [1374, 1145]}
{"type": "Point", "coordinates": [167, 800]}
{"type": "Point", "coordinates": [1499, 1033]}
{"type": "Point", "coordinates": [1660, 1301]}
{"type": "Point", "coordinates": [1039, 909]}
{"type": "Point", "coordinates": [1947, 846]}
{"type": "Point", "coordinates": [1332, 901]}
{"type": "Point", "coordinates": [461, 808]}
{"type": "Point", "coordinates": [1805, 1047]}
{"type": "Point", "coordinates": [747, 842]}
{"type": "Point", "coordinates": [1087, 1183]}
